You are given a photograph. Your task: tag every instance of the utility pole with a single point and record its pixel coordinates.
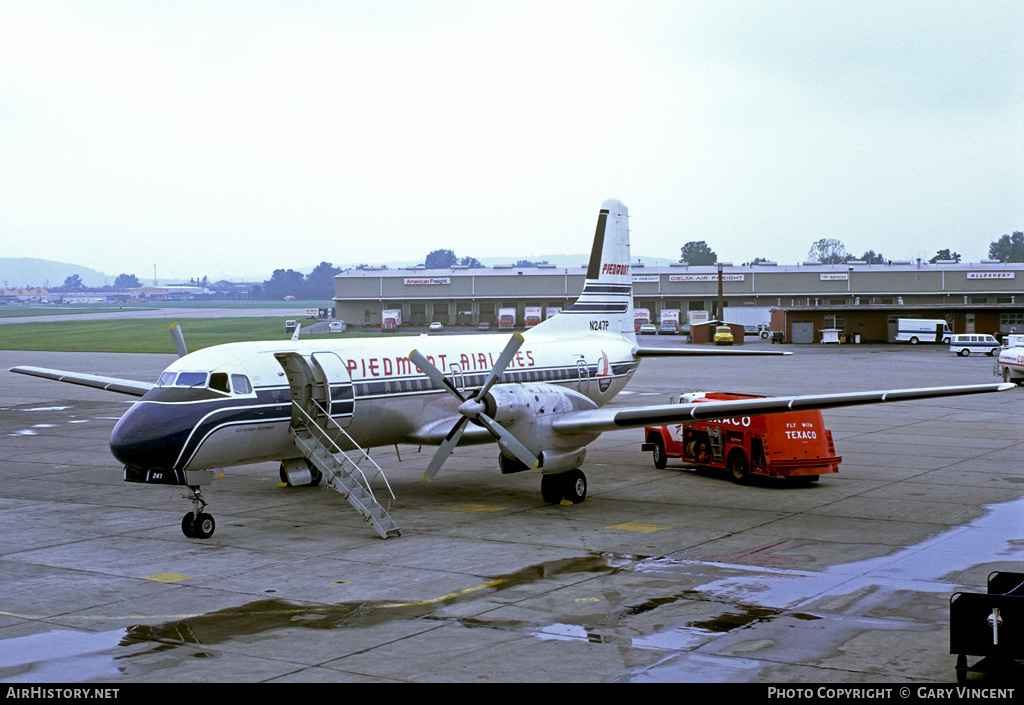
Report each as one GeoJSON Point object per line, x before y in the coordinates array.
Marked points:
{"type": "Point", "coordinates": [720, 315]}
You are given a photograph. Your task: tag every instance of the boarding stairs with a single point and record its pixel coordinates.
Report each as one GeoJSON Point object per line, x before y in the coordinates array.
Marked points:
{"type": "Point", "coordinates": [315, 437]}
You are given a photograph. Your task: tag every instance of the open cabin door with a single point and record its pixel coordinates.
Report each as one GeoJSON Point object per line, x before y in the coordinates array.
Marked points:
{"type": "Point", "coordinates": [320, 385]}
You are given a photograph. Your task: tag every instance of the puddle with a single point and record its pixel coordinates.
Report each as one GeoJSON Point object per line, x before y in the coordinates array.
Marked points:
{"type": "Point", "coordinates": [60, 656]}
{"type": "Point", "coordinates": [920, 568]}
{"type": "Point", "coordinates": [272, 614]}
{"type": "Point", "coordinates": [44, 408]}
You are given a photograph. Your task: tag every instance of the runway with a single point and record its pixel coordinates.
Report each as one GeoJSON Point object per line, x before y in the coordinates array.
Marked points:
{"type": "Point", "coordinates": [662, 576]}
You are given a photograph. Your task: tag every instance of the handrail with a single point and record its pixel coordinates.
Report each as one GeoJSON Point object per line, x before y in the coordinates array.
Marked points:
{"type": "Point", "coordinates": [366, 483]}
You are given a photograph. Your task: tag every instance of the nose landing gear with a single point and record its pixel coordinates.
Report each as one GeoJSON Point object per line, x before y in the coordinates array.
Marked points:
{"type": "Point", "coordinates": [197, 524]}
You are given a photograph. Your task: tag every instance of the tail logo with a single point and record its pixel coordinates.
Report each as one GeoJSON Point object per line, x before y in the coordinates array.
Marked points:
{"type": "Point", "coordinates": [614, 269]}
{"type": "Point", "coordinates": [604, 372]}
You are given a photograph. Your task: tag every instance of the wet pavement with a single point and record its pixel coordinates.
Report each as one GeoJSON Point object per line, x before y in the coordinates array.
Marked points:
{"type": "Point", "coordinates": [663, 576]}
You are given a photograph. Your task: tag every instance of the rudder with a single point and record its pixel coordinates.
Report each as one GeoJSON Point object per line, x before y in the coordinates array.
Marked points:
{"type": "Point", "coordinates": [606, 303]}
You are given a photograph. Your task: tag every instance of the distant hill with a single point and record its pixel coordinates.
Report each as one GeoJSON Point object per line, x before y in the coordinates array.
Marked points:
{"type": "Point", "coordinates": [26, 271]}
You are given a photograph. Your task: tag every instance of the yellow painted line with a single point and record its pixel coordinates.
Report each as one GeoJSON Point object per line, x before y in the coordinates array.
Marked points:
{"type": "Point", "coordinates": [477, 508]}
{"type": "Point", "coordinates": [166, 577]}
{"type": "Point", "coordinates": [450, 596]}
{"type": "Point", "coordinates": [637, 527]}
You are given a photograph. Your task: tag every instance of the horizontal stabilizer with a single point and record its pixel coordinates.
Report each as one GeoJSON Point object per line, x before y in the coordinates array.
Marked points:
{"type": "Point", "coordinates": [609, 419]}
{"type": "Point", "coordinates": [110, 384]}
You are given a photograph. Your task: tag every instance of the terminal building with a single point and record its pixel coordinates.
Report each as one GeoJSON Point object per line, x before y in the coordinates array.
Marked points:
{"type": "Point", "coordinates": [855, 298]}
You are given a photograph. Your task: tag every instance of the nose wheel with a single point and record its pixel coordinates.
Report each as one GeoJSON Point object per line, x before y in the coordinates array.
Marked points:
{"type": "Point", "coordinates": [197, 524]}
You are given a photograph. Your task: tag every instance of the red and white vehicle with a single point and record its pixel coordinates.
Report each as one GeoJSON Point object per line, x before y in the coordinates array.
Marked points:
{"type": "Point", "coordinates": [793, 444]}
{"type": "Point", "coordinates": [1010, 365]}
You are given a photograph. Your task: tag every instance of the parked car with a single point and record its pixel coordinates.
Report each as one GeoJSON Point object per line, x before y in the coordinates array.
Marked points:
{"type": "Point", "coordinates": [963, 344]}
{"type": "Point", "coordinates": [668, 328]}
{"type": "Point", "coordinates": [723, 336]}
{"type": "Point", "coordinates": [483, 326]}
{"type": "Point", "coordinates": [648, 329]}
{"type": "Point", "coordinates": [436, 325]}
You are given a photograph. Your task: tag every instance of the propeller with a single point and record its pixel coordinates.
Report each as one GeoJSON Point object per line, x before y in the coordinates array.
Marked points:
{"type": "Point", "coordinates": [472, 409]}
{"type": "Point", "coordinates": [179, 340]}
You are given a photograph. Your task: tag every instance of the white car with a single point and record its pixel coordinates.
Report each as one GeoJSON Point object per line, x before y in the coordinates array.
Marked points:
{"type": "Point", "coordinates": [436, 325]}
{"type": "Point", "coordinates": [648, 329]}
{"type": "Point", "coordinates": [963, 344]}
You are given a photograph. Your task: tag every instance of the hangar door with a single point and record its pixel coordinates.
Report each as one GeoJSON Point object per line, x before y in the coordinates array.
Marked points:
{"type": "Point", "coordinates": [803, 332]}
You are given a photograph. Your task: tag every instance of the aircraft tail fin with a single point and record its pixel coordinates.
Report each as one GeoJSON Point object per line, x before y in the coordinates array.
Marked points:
{"type": "Point", "coordinates": [606, 303]}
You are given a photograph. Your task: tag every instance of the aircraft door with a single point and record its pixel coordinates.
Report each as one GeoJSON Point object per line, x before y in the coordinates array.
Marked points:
{"type": "Point", "coordinates": [332, 372]}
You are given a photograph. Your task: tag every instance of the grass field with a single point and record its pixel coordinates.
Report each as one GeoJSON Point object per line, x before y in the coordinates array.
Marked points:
{"type": "Point", "coordinates": [141, 335]}
{"type": "Point", "coordinates": [21, 310]}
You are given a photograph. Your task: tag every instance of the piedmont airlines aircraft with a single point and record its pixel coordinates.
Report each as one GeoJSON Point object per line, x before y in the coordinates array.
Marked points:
{"type": "Point", "coordinates": [539, 395]}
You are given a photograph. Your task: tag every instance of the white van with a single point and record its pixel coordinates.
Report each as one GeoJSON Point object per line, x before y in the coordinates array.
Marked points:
{"type": "Point", "coordinates": [336, 327]}
{"type": "Point", "coordinates": [922, 330]}
{"type": "Point", "coordinates": [963, 344]}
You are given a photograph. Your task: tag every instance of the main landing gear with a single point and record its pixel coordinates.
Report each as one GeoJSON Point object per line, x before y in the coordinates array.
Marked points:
{"type": "Point", "coordinates": [197, 524]}
{"type": "Point", "coordinates": [570, 486]}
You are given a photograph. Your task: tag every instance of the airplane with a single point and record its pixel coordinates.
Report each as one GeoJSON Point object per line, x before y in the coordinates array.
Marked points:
{"type": "Point", "coordinates": [542, 395]}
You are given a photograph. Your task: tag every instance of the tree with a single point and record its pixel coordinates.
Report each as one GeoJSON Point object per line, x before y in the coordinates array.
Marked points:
{"type": "Point", "coordinates": [471, 262]}
{"type": "Point", "coordinates": [697, 254]}
{"type": "Point", "coordinates": [528, 263]}
{"type": "Point", "coordinates": [827, 251]}
{"type": "Point", "coordinates": [127, 281]}
{"type": "Point", "coordinates": [1008, 248]}
{"type": "Point", "coordinates": [756, 260]}
{"type": "Point", "coordinates": [73, 282]}
{"type": "Point", "coordinates": [945, 255]}
{"type": "Point", "coordinates": [284, 283]}
{"type": "Point", "coordinates": [440, 259]}
{"type": "Point", "coordinates": [320, 282]}
{"type": "Point", "coordinates": [871, 257]}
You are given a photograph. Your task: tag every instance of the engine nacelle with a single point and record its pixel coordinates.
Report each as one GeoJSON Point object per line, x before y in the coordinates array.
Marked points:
{"type": "Point", "coordinates": [527, 411]}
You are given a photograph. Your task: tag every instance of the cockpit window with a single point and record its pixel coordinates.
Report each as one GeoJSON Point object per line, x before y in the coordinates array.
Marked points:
{"type": "Point", "coordinates": [191, 379]}
{"type": "Point", "coordinates": [219, 382]}
{"type": "Point", "coordinates": [241, 385]}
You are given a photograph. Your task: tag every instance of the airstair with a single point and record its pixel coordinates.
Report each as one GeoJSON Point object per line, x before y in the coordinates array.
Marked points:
{"type": "Point", "coordinates": [319, 437]}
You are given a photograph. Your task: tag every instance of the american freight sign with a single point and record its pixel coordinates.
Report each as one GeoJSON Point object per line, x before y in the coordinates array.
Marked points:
{"type": "Point", "coordinates": [428, 280]}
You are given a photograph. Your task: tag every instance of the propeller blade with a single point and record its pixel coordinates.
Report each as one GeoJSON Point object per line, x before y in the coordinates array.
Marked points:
{"type": "Point", "coordinates": [179, 340]}
{"type": "Point", "coordinates": [511, 348]}
{"type": "Point", "coordinates": [435, 375]}
{"type": "Point", "coordinates": [509, 442]}
{"type": "Point", "coordinates": [295, 335]}
{"type": "Point", "coordinates": [446, 448]}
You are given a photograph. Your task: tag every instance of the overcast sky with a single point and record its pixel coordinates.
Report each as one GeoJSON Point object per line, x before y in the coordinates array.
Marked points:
{"type": "Point", "coordinates": [226, 138]}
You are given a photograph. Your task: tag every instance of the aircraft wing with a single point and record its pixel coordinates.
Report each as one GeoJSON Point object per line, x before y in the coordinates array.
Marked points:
{"type": "Point", "coordinates": [612, 418]}
{"type": "Point", "coordinates": [111, 384]}
{"type": "Point", "coordinates": [642, 351]}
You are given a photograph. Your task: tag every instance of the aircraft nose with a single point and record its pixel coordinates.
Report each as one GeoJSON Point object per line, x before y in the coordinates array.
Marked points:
{"type": "Point", "coordinates": [141, 439]}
